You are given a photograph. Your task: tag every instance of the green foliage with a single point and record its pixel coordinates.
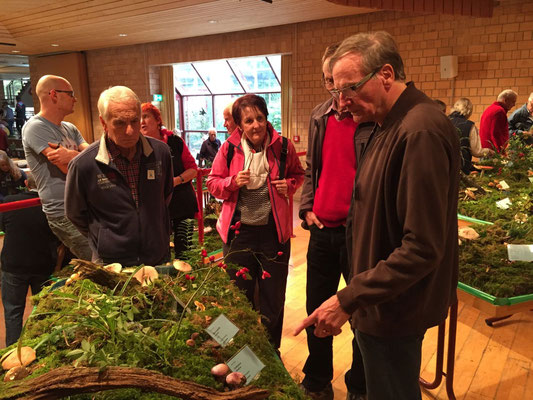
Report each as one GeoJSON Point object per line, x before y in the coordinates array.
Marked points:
{"type": "Point", "coordinates": [484, 263]}
{"type": "Point", "coordinates": [88, 325]}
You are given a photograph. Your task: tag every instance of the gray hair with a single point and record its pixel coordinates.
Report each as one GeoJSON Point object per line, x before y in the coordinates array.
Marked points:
{"type": "Point", "coordinates": [464, 107]}
{"type": "Point", "coordinates": [376, 49]}
{"type": "Point", "coordinates": [330, 50]}
{"type": "Point", "coordinates": [116, 94]}
{"type": "Point", "coordinates": [507, 94]}
{"type": "Point", "coordinates": [14, 171]}
{"type": "Point", "coordinates": [211, 130]}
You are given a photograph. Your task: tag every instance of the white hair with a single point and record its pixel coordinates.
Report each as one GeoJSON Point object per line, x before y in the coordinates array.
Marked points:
{"type": "Point", "coordinates": [116, 94]}
{"type": "Point", "coordinates": [507, 94]}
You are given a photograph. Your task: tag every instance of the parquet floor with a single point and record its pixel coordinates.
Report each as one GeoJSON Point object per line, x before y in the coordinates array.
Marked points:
{"type": "Point", "coordinates": [491, 363]}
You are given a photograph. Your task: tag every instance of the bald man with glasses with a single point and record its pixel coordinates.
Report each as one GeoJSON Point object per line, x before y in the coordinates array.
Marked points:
{"type": "Point", "coordinates": [49, 144]}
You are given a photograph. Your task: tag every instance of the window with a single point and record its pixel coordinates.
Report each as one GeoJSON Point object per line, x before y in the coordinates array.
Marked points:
{"type": "Point", "coordinates": [205, 88]}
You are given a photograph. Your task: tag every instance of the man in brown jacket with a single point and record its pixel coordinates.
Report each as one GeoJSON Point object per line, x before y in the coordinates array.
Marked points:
{"type": "Point", "coordinates": [402, 230]}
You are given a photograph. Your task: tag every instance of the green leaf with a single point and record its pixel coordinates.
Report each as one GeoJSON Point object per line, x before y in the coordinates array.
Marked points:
{"type": "Point", "coordinates": [85, 345]}
{"type": "Point", "coordinates": [74, 352]}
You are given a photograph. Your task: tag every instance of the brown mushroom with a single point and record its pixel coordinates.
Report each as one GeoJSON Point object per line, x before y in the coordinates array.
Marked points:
{"type": "Point", "coordinates": [235, 380]}
{"type": "Point", "coordinates": [146, 275]}
{"type": "Point", "coordinates": [11, 359]}
{"type": "Point", "coordinates": [220, 371]}
{"type": "Point", "coordinates": [16, 373]}
{"type": "Point", "coordinates": [182, 266]}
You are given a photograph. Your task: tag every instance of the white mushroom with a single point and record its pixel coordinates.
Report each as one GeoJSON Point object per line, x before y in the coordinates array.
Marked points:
{"type": "Point", "coordinates": [146, 275]}
{"type": "Point", "coordinates": [115, 267]}
{"type": "Point", "coordinates": [468, 233]}
{"type": "Point", "coordinates": [182, 266]}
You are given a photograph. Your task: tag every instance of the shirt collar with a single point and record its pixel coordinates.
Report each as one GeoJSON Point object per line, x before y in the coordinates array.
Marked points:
{"type": "Point", "coordinates": [108, 147]}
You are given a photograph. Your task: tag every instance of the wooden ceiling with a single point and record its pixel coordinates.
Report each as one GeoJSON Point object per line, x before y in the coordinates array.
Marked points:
{"type": "Point", "coordinates": [33, 26]}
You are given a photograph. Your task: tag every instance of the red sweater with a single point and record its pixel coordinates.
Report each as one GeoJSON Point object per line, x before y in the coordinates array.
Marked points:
{"type": "Point", "coordinates": [334, 191]}
{"type": "Point", "coordinates": [494, 128]}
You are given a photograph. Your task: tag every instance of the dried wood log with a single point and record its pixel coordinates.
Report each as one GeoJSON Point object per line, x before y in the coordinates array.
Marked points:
{"type": "Point", "coordinates": [66, 381]}
{"type": "Point", "coordinates": [97, 274]}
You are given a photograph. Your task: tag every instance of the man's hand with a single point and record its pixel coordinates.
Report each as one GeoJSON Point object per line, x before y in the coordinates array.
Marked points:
{"type": "Point", "coordinates": [312, 219]}
{"type": "Point", "coordinates": [59, 156]}
{"type": "Point", "coordinates": [327, 319]}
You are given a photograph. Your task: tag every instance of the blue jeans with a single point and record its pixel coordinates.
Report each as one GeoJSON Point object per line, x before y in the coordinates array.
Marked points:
{"type": "Point", "coordinates": [71, 237]}
{"type": "Point", "coordinates": [14, 290]}
{"type": "Point", "coordinates": [392, 366]}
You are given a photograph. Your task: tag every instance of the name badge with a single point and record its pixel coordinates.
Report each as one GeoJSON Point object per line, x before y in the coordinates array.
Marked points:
{"type": "Point", "coordinates": [150, 174]}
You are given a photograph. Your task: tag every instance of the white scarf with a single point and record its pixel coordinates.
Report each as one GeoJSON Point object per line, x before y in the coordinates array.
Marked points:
{"type": "Point", "coordinates": [256, 162]}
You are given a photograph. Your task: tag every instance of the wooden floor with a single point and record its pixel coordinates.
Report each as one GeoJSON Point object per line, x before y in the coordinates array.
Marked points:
{"type": "Point", "coordinates": [491, 363]}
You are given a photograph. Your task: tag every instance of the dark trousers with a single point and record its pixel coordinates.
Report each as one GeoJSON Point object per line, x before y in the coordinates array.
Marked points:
{"type": "Point", "coordinates": [14, 290]}
{"type": "Point", "coordinates": [392, 366]}
{"type": "Point", "coordinates": [183, 232]}
{"type": "Point", "coordinates": [326, 263]}
{"type": "Point", "coordinates": [261, 247]}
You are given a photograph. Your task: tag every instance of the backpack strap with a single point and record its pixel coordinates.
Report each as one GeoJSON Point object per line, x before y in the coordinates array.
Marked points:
{"type": "Point", "coordinates": [229, 156]}
{"type": "Point", "coordinates": [283, 157]}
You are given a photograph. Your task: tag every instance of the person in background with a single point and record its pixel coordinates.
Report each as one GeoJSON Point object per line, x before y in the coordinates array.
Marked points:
{"type": "Point", "coordinates": [521, 121]}
{"type": "Point", "coordinates": [4, 133]}
{"type": "Point", "coordinates": [118, 190]}
{"type": "Point", "coordinates": [468, 134]}
{"type": "Point", "coordinates": [441, 104]}
{"type": "Point", "coordinates": [333, 146]}
{"type": "Point", "coordinates": [494, 128]}
{"type": "Point", "coordinates": [255, 180]}
{"type": "Point", "coordinates": [49, 144]}
{"type": "Point", "coordinates": [20, 114]}
{"type": "Point", "coordinates": [183, 204]}
{"type": "Point", "coordinates": [8, 116]}
{"type": "Point", "coordinates": [229, 123]}
{"type": "Point", "coordinates": [402, 225]}
{"type": "Point", "coordinates": [28, 257]}
{"type": "Point", "coordinates": [11, 177]}
{"type": "Point", "coordinates": [209, 147]}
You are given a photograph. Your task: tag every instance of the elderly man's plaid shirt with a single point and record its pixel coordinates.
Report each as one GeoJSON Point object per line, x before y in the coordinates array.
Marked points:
{"type": "Point", "coordinates": [128, 169]}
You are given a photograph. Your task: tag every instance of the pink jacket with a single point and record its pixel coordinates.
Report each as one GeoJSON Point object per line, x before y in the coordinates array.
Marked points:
{"type": "Point", "coordinates": [222, 185]}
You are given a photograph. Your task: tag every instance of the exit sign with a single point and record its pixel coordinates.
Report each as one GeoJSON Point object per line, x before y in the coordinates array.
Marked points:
{"type": "Point", "coordinates": [158, 97]}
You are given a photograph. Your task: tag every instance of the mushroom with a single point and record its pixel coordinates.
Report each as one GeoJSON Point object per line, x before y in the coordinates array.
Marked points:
{"type": "Point", "coordinates": [115, 267]}
{"type": "Point", "coordinates": [11, 359]}
{"type": "Point", "coordinates": [220, 371]}
{"type": "Point", "coordinates": [235, 380]}
{"type": "Point", "coordinates": [468, 233]}
{"type": "Point", "coordinates": [146, 275]}
{"type": "Point", "coordinates": [182, 266]}
{"type": "Point", "coordinates": [16, 373]}
{"type": "Point", "coordinates": [190, 342]}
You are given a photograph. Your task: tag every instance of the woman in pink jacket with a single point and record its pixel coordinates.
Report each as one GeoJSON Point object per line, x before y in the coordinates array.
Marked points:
{"type": "Point", "coordinates": [255, 172]}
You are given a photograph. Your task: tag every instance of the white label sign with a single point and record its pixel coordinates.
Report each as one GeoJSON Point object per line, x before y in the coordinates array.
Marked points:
{"type": "Point", "coordinates": [504, 184]}
{"type": "Point", "coordinates": [520, 252]}
{"type": "Point", "coordinates": [222, 330]}
{"type": "Point", "coordinates": [247, 363]}
{"type": "Point", "coordinates": [504, 204]}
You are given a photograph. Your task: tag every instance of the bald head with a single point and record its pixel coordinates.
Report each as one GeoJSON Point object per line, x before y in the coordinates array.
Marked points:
{"type": "Point", "coordinates": [56, 97]}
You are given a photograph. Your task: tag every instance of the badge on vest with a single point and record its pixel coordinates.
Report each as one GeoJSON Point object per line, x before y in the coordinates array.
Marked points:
{"type": "Point", "coordinates": [150, 174]}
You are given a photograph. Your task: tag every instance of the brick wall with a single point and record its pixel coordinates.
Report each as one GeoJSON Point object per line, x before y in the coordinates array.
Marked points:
{"type": "Point", "coordinates": [494, 54]}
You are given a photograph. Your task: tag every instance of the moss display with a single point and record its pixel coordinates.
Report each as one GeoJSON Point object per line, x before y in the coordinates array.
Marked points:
{"type": "Point", "coordinates": [88, 325]}
{"type": "Point", "coordinates": [484, 263]}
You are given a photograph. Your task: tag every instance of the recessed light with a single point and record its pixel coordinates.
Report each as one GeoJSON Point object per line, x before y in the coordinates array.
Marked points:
{"type": "Point", "coordinates": [54, 45]}
{"type": "Point", "coordinates": [15, 51]}
{"type": "Point", "coordinates": [212, 21]}
{"type": "Point", "coordinates": [123, 34]}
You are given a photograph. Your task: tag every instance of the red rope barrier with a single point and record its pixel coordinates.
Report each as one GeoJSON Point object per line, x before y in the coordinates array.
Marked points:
{"type": "Point", "coordinates": [17, 205]}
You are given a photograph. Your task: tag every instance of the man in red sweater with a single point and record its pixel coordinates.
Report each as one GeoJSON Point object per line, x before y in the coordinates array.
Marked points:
{"type": "Point", "coordinates": [494, 128]}
{"type": "Point", "coordinates": [333, 147]}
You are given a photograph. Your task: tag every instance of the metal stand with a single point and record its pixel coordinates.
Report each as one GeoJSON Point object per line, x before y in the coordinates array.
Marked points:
{"type": "Point", "coordinates": [450, 362]}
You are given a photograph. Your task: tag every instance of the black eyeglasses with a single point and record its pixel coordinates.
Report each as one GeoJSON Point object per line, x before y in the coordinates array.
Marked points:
{"type": "Point", "coordinates": [69, 92]}
{"type": "Point", "coordinates": [350, 91]}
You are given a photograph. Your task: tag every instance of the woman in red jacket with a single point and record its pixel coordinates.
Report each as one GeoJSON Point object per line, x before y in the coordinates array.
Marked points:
{"type": "Point", "coordinates": [255, 172]}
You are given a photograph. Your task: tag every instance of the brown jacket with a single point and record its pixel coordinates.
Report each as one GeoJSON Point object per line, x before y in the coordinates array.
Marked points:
{"type": "Point", "coordinates": [402, 230]}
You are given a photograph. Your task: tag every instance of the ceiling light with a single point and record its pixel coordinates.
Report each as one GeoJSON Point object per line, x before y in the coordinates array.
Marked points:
{"type": "Point", "coordinates": [212, 21]}
{"type": "Point", "coordinates": [54, 45]}
{"type": "Point", "coordinates": [123, 34]}
{"type": "Point", "coordinates": [15, 51]}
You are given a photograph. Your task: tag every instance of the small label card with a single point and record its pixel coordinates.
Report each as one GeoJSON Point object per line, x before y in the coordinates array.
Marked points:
{"type": "Point", "coordinates": [247, 363]}
{"type": "Point", "coordinates": [504, 204]}
{"type": "Point", "coordinates": [520, 252]}
{"type": "Point", "coordinates": [222, 330]}
{"type": "Point", "coordinates": [504, 184]}
{"type": "Point", "coordinates": [531, 179]}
